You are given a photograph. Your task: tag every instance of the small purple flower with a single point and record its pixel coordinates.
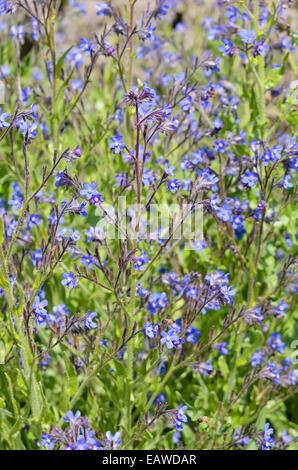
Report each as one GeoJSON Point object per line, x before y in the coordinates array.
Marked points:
{"type": "Point", "coordinates": [228, 48]}
{"type": "Point", "coordinates": [267, 441]}
{"type": "Point", "coordinates": [280, 309]}
{"type": "Point", "coordinates": [86, 46]}
{"type": "Point", "coordinates": [17, 197]}
{"type": "Point", "coordinates": [260, 48]}
{"type": "Point", "coordinates": [169, 338]}
{"type": "Point", "coordinates": [72, 418]}
{"type": "Point", "coordinates": [192, 293]}
{"type": "Point", "coordinates": [247, 36]}
{"type": "Point", "coordinates": [275, 343]}
{"type": "Point", "coordinates": [69, 280]}
{"type": "Point", "coordinates": [157, 301]}
{"type": "Point", "coordinates": [161, 8]}
{"type": "Point", "coordinates": [34, 219]}
{"type": "Point", "coordinates": [88, 190]}
{"type": "Point", "coordinates": [150, 329]}
{"type": "Point", "coordinates": [88, 321]}
{"type": "Point", "coordinates": [3, 120]}
{"type": "Point", "coordinates": [253, 315]}
{"type": "Point", "coordinates": [192, 335]}
{"type": "Point", "coordinates": [141, 261]}
{"type": "Point", "coordinates": [222, 348]}
{"type": "Point", "coordinates": [179, 418]}
{"type": "Point", "coordinates": [36, 257]}
{"type": "Point", "coordinates": [204, 368]}
{"type": "Point", "coordinates": [17, 32]}
{"type": "Point", "coordinates": [39, 305]}
{"type": "Point", "coordinates": [286, 437]}
{"type": "Point", "coordinates": [271, 155]}
{"type": "Point", "coordinates": [257, 358]}
{"type": "Point", "coordinates": [47, 441]}
{"type": "Point", "coordinates": [103, 9]}
{"type": "Point", "coordinates": [250, 178]}
{"type": "Point", "coordinates": [220, 145]}
{"type": "Point", "coordinates": [96, 199]}
{"type": "Point", "coordinates": [286, 182]}
{"type": "Point", "coordinates": [40, 312]}
{"type": "Point", "coordinates": [173, 185]}
{"type": "Point", "coordinates": [116, 143]}
{"type": "Point", "coordinates": [113, 441]}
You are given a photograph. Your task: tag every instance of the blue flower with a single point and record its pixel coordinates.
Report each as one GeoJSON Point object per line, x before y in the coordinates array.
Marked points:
{"type": "Point", "coordinates": [12, 225]}
{"type": "Point", "coordinates": [29, 130]}
{"type": "Point", "coordinates": [176, 438]}
{"type": "Point", "coordinates": [113, 441]}
{"type": "Point", "coordinates": [39, 305]}
{"type": "Point", "coordinates": [116, 143]}
{"type": "Point", "coordinates": [286, 182]}
{"type": "Point", "coordinates": [36, 257]}
{"type": "Point", "coordinates": [271, 155]}
{"type": "Point", "coordinates": [254, 315]}
{"type": "Point", "coordinates": [161, 8]}
{"type": "Point", "coordinates": [186, 104]}
{"type": "Point", "coordinates": [272, 371]}
{"type": "Point", "coordinates": [204, 368]}
{"type": "Point", "coordinates": [149, 177]}
{"type": "Point", "coordinates": [88, 321]}
{"type": "Point", "coordinates": [173, 185]}
{"type": "Point", "coordinates": [143, 293]}
{"type": "Point", "coordinates": [232, 13]}
{"type": "Point", "coordinates": [169, 338]}
{"type": "Point", "coordinates": [157, 301]}
{"type": "Point", "coordinates": [222, 348]}
{"type": "Point", "coordinates": [34, 219]}
{"type": "Point", "coordinates": [247, 36]}
{"type": "Point", "coordinates": [192, 335]}
{"type": "Point", "coordinates": [220, 145]}
{"type": "Point", "coordinates": [47, 441]}
{"type": "Point", "coordinates": [88, 260]}
{"type": "Point", "coordinates": [86, 46]}
{"type": "Point", "coordinates": [150, 330]}
{"type": "Point", "coordinates": [59, 314]}
{"type": "Point", "coordinates": [267, 441]}
{"type": "Point", "coordinates": [103, 9]}
{"type": "Point", "coordinates": [88, 190]}
{"type": "Point", "coordinates": [286, 437]}
{"type": "Point", "coordinates": [71, 418]}
{"type": "Point", "coordinates": [275, 343]}
{"type": "Point", "coordinates": [17, 197]}
{"type": "Point", "coordinates": [3, 120]}
{"type": "Point", "coordinates": [40, 312]}
{"type": "Point", "coordinates": [257, 358]}
{"type": "Point", "coordinates": [260, 48]}
{"type": "Point", "coordinates": [228, 48]}
{"type": "Point", "coordinates": [18, 33]}
{"type": "Point", "coordinates": [179, 418]}
{"type": "Point", "coordinates": [141, 261]}
{"type": "Point", "coordinates": [280, 309]}
{"type": "Point", "coordinates": [250, 178]}
{"type": "Point", "coordinates": [69, 280]}
{"type": "Point", "coordinates": [192, 293]}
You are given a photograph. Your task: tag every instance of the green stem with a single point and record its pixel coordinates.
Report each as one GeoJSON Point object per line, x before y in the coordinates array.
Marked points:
{"type": "Point", "coordinates": [20, 338]}
{"type": "Point", "coordinates": [132, 306]}
{"type": "Point", "coordinates": [50, 35]}
{"type": "Point", "coordinates": [261, 74]}
{"type": "Point", "coordinates": [130, 44]}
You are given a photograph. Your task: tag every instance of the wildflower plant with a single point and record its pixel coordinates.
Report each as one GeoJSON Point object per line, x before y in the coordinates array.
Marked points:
{"type": "Point", "coordinates": [116, 333]}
